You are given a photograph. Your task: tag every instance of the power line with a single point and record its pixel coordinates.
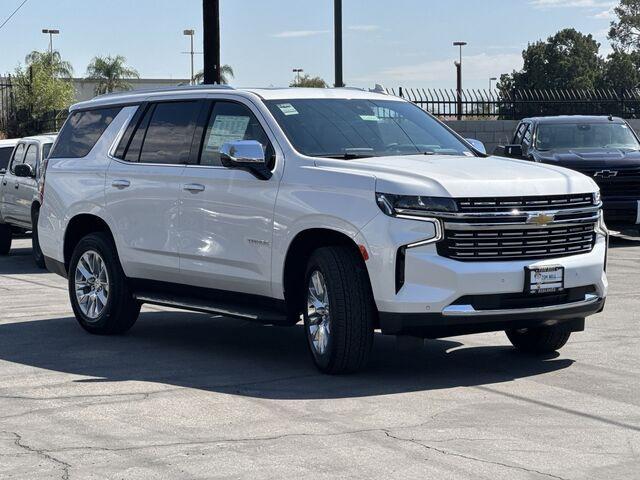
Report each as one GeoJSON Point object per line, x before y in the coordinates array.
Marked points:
{"type": "Point", "coordinates": [14, 12]}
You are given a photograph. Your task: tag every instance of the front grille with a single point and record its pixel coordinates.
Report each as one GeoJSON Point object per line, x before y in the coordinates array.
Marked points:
{"type": "Point", "coordinates": [509, 231]}
{"type": "Point", "coordinates": [625, 183]}
{"type": "Point", "coordinates": [524, 204]}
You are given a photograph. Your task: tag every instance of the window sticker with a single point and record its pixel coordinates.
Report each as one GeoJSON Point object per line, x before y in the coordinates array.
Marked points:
{"type": "Point", "coordinates": [370, 118]}
{"type": "Point", "coordinates": [468, 154]}
{"type": "Point", "coordinates": [287, 109]}
{"type": "Point", "coordinates": [227, 128]}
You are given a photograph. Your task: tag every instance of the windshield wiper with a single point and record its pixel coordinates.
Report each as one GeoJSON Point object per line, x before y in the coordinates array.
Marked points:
{"type": "Point", "coordinates": [344, 156]}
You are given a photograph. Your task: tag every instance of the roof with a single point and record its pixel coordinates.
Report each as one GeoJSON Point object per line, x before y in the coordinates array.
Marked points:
{"type": "Point", "coordinates": [10, 142]}
{"type": "Point", "coordinates": [47, 138]}
{"type": "Point", "coordinates": [287, 93]}
{"type": "Point", "coordinates": [575, 119]}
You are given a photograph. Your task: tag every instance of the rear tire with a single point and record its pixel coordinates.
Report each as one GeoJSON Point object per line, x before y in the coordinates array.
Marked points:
{"type": "Point", "coordinates": [38, 256]}
{"type": "Point", "coordinates": [339, 310]}
{"type": "Point", "coordinates": [100, 312]}
{"type": "Point", "coordinates": [6, 235]}
{"type": "Point", "coordinates": [539, 340]}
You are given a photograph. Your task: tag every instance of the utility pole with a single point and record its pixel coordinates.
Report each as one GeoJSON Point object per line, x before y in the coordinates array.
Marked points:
{"type": "Point", "coordinates": [459, 79]}
{"type": "Point", "coordinates": [211, 42]}
{"type": "Point", "coordinates": [337, 28]}
{"type": "Point", "coordinates": [297, 71]}
{"type": "Point", "coordinates": [190, 33]}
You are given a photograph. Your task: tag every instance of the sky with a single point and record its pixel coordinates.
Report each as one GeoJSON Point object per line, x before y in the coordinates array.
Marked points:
{"type": "Point", "coordinates": [395, 43]}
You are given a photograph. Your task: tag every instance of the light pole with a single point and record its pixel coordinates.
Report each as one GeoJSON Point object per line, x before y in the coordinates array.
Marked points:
{"type": "Point", "coordinates": [459, 78]}
{"type": "Point", "coordinates": [298, 71]}
{"type": "Point", "coordinates": [51, 33]}
{"type": "Point", "coordinates": [337, 32]}
{"type": "Point", "coordinates": [211, 40]}
{"type": "Point", "coordinates": [190, 33]}
{"type": "Point", "coordinates": [491, 80]}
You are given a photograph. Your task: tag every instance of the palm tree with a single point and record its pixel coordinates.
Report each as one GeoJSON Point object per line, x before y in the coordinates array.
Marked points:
{"type": "Point", "coordinates": [226, 74]}
{"type": "Point", "coordinates": [50, 61]}
{"type": "Point", "coordinates": [110, 73]}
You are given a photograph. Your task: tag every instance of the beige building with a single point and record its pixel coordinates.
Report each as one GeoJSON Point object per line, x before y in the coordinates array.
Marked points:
{"type": "Point", "coordinates": [85, 89]}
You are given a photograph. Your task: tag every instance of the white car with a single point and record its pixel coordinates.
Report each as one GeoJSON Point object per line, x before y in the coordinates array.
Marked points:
{"type": "Point", "coordinates": [19, 192]}
{"type": "Point", "coordinates": [351, 210]}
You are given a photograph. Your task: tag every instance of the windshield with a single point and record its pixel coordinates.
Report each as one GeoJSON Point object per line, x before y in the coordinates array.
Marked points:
{"type": "Point", "coordinates": [343, 128]}
{"type": "Point", "coordinates": [587, 135]}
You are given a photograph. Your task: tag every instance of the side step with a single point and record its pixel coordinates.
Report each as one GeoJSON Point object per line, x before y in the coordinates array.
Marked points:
{"type": "Point", "coordinates": [258, 313]}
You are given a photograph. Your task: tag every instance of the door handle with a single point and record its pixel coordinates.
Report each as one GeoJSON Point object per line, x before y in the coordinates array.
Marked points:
{"type": "Point", "coordinates": [120, 184]}
{"type": "Point", "coordinates": [16, 185]}
{"type": "Point", "coordinates": [194, 187]}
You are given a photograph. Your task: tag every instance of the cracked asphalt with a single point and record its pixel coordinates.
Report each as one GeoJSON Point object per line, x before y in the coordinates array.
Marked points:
{"type": "Point", "coordinates": [192, 396]}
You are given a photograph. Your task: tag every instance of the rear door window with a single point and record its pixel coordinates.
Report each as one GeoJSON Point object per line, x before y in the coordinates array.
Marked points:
{"type": "Point", "coordinates": [168, 136]}
{"type": "Point", "coordinates": [5, 156]}
{"type": "Point", "coordinates": [81, 132]}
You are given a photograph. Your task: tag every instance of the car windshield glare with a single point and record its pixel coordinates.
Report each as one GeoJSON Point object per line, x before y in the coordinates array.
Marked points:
{"type": "Point", "coordinates": [360, 128]}
{"type": "Point", "coordinates": [586, 135]}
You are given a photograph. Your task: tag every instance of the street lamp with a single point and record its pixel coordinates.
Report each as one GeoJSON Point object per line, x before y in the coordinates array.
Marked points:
{"type": "Point", "coordinates": [459, 78]}
{"type": "Point", "coordinates": [298, 71]}
{"type": "Point", "coordinates": [190, 33]}
{"type": "Point", "coordinates": [51, 32]}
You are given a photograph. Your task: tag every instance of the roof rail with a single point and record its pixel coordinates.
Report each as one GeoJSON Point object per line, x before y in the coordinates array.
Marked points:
{"type": "Point", "coordinates": [177, 88]}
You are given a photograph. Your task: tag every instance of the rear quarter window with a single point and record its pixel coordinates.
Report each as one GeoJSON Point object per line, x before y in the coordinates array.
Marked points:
{"type": "Point", "coordinates": [5, 156]}
{"type": "Point", "coordinates": [81, 132]}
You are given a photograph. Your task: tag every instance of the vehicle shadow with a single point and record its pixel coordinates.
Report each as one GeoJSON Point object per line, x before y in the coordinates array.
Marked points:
{"type": "Point", "coordinates": [19, 261]}
{"type": "Point", "coordinates": [241, 358]}
{"type": "Point", "coordinates": [622, 241]}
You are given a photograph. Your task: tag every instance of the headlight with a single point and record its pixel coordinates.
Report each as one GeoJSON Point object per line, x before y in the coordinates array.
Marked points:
{"type": "Point", "coordinates": [597, 198]}
{"type": "Point", "coordinates": [414, 206]}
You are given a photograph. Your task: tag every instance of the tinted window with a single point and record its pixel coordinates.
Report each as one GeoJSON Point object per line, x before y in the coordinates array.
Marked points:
{"type": "Point", "coordinates": [46, 149]}
{"type": "Point", "coordinates": [81, 131]}
{"type": "Point", "coordinates": [230, 122]}
{"type": "Point", "coordinates": [32, 156]}
{"type": "Point", "coordinates": [133, 151]}
{"type": "Point", "coordinates": [351, 128]}
{"type": "Point", "coordinates": [170, 133]}
{"type": "Point", "coordinates": [588, 135]}
{"type": "Point", "coordinates": [18, 156]}
{"type": "Point", "coordinates": [5, 156]}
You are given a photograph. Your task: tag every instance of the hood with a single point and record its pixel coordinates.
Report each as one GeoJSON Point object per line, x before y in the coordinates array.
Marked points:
{"type": "Point", "coordinates": [459, 176]}
{"type": "Point", "coordinates": [591, 158]}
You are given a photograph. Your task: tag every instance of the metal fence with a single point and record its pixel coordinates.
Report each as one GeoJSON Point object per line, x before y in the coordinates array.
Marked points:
{"type": "Point", "coordinates": [518, 104]}
{"type": "Point", "coordinates": [7, 113]}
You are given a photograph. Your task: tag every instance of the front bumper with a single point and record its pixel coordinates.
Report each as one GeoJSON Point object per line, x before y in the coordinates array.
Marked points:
{"type": "Point", "coordinates": [621, 212]}
{"type": "Point", "coordinates": [429, 300]}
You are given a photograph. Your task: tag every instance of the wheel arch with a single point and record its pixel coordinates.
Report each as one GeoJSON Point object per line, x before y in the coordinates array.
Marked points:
{"type": "Point", "coordinates": [78, 227]}
{"type": "Point", "coordinates": [298, 254]}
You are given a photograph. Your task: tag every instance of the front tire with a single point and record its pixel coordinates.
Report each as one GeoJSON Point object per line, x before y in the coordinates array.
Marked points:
{"type": "Point", "coordinates": [539, 340]}
{"type": "Point", "coordinates": [38, 256]}
{"type": "Point", "coordinates": [6, 235]}
{"type": "Point", "coordinates": [98, 288]}
{"type": "Point", "coordinates": [339, 311]}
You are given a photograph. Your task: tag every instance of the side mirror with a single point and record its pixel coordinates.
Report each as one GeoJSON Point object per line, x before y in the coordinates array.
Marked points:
{"type": "Point", "coordinates": [246, 155]}
{"type": "Point", "coordinates": [478, 145]}
{"type": "Point", "coordinates": [511, 151]}
{"type": "Point", "coordinates": [24, 170]}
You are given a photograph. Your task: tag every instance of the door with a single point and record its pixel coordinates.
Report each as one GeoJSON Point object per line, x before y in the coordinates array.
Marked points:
{"type": "Point", "coordinates": [226, 220]}
{"type": "Point", "coordinates": [27, 186]}
{"type": "Point", "coordinates": [9, 186]}
{"type": "Point", "coordinates": [143, 189]}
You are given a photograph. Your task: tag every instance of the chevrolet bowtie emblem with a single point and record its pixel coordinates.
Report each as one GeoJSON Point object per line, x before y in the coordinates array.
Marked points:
{"type": "Point", "coordinates": [540, 218]}
{"type": "Point", "coordinates": [606, 174]}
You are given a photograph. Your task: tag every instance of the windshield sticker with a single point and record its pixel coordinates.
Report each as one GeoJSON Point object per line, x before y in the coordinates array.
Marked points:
{"type": "Point", "coordinates": [369, 118]}
{"type": "Point", "coordinates": [468, 154]}
{"type": "Point", "coordinates": [287, 109]}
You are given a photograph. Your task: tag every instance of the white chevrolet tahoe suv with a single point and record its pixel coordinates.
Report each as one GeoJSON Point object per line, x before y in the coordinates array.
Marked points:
{"type": "Point", "coordinates": [350, 210]}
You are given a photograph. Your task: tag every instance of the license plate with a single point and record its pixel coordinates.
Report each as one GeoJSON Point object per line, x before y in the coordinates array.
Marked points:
{"type": "Point", "coordinates": [544, 279]}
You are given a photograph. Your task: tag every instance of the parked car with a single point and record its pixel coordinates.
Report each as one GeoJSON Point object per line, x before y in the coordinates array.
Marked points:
{"type": "Point", "coordinates": [19, 193]}
{"type": "Point", "coordinates": [6, 149]}
{"type": "Point", "coordinates": [351, 210]}
{"type": "Point", "coordinates": [603, 148]}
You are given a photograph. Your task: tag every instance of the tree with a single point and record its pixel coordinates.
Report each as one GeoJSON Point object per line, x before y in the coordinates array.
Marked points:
{"type": "Point", "coordinates": [625, 31]}
{"type": "Point", "coordinates": [621, 70]}
{"type": "Point", "coordinates": [568, 59]}
{"type": "Point", "coordinates": [111, 74]}
{"type": "Point", "coordinates": [51, 61]}
{"type": "Point", "coordinates": [309, 82]}
{"type": "Point", "coordinates": [226, 74]}
{"type": "Point", "coordinates": [41, 89]}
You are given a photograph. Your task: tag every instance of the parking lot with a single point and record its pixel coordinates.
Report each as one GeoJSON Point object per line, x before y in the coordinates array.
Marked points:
{"type": "Point", "coordinates": [185, 395]}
